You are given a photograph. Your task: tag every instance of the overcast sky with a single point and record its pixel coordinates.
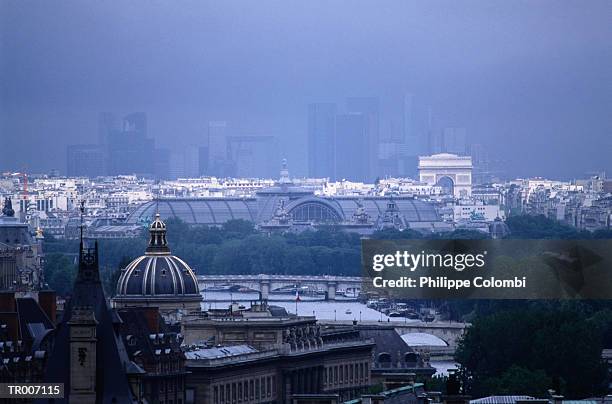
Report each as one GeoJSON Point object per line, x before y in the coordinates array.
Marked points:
{"type": "Point", "coordinates": [531, 80]}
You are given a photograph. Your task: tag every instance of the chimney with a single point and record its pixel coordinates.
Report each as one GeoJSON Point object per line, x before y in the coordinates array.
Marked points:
{"type": "Point", "coordinates": [151, 315]}
{"type": "Point", "coordinates": [7, 302]}
{"type": "Point", "coordinates": [48, 303]}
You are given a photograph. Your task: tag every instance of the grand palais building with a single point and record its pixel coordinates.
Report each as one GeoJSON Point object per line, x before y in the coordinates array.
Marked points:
{"type": "Point", "coordinates": [286, 206]}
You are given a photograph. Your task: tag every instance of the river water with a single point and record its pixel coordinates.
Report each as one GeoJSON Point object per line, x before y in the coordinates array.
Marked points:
{"type": "Point", "coordinates": [339, 309]}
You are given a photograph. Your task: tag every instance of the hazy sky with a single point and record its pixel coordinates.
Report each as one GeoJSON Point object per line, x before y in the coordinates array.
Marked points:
{"type": "Point", "coordinates": [531, 80]}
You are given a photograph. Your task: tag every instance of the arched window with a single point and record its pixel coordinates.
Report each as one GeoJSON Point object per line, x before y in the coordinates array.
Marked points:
{"type": "Point", "coordinates": [411, 358]}
{"type": "Point", "coordinates": [384, 357]}
{"type": "Point", "coordinates": [314, 212]}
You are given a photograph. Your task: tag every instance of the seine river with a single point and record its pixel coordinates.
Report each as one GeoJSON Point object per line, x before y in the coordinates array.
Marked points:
{"type": "Point", "coordinates": [339, 309]}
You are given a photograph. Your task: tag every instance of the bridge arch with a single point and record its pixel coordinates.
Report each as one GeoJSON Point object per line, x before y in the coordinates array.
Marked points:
{"type": "Point", "coordinates": [423, 339]}
{"type": "Point", "coordinates": [448, 332]}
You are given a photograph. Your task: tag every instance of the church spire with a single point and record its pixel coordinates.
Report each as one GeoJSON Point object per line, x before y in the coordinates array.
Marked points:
{"type": "Point", "coordinates": [88, 257]}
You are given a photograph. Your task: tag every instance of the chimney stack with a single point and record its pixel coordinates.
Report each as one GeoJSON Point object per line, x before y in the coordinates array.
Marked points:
{"type": "Point", "coordinates": [47, 302]}
{"type": "Point", "coordinates": [7, 302]}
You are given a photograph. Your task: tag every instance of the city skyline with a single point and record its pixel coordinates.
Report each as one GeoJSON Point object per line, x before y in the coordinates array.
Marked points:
{"type": "Point", "coordinates": [529, 83]}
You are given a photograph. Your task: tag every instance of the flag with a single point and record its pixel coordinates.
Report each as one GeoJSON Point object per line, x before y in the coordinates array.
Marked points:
{"type": "Point", "coordinates": [297, 296]}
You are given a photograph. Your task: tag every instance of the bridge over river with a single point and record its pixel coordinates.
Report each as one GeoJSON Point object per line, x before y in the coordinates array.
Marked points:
{"type": "Point", "coordinates": [329, 284]}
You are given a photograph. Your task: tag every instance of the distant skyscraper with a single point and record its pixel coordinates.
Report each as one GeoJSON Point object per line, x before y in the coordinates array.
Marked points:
{"type": "Point", "coordinates": [121, 149]}
{"type": "Point", "coordinates": [136, 124]}
{"type": "Point", "coordinates": [321, 139]}
{"type": "Point", "coordinates": [408, 116]}
{"type": "Point", "coordinates": [482, 170]}
{"type": "Point", "coordinates": [130, 150]}
{"type": "Point", "coordinates": [191, 161]}
{"type": "Point", "coordinates": [203, 161]}
{"type": "Point", "coordinates": [107, 123]}
{"type": "Point", "coordinates": [177, 165]}
{"type": "Point", "coordinates": [85, 160]}
{"type": "Point", "coordinates": [253, 156]}
{"type": "Point", "coordinates": [415, 143]}
{"type": "Point", "coordinates": [352, 147]}
{"type": "Point", "coordinates": [370, 108]}
{"type": "Point", "coordinates": [217, 148]}
{"type": "Point", "coordinates": [184, 164]}
{"type": "Point", "coordinates": [161, 165]}
{"type": "Point", "coordinates": [455, 140]}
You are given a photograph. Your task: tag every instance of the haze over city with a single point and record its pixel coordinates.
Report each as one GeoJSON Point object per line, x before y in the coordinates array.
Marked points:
{"type": "Point", "coordinates": [531, 82]}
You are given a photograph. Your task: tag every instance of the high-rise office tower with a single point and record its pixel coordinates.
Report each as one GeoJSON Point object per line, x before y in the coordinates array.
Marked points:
{"type": "Point", "coordinates": [191, 161]}
{"type": "Point", "coordinates": [455, 140]}
{"type": "Point", "coordinates": [130, 151]}
{"type": "Point", "coordinates": [203, 161]}
{"type": "Point", "coordinates": [135, 124]}
{"type": "Point", "coordinates": [161, 165]}
{"type": "Point", "coordinates": [85, 160]}
{"type": "Point", "coordinates": [370, 108]}
{"type": "Point", "coordinates": [415, 143]}
{"type": "Point", "coordinates": [107, 123]}
{"type": "Point", "coordinates": [408, 118]}
{"type": "Point", "coordinates": [253, 156]}
{"type": "Point", "coordinates": [321, 139]}
{"type": "Point", "coordinates": [177, 165]}
{"type": "Point", "coordinates": [352, 150]}
{"type": "Point", "coordinates": [217, 148]}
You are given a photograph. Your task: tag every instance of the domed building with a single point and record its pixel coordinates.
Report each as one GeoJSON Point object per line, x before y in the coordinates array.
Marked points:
{"type": "Point", "coordinates": [158, 278]}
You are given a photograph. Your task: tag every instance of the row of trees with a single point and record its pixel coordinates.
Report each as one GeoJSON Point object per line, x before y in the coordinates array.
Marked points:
{"type": "Point", "coordinates": [536, 346]}
{"type": "Point", "coordinates": [238, 248]}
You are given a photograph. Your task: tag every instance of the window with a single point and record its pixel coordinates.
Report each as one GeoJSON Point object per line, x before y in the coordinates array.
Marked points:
{"type": "Point", "coordinates": [384, 358]}
{"type": "Point", "coordinates": [314, 212]}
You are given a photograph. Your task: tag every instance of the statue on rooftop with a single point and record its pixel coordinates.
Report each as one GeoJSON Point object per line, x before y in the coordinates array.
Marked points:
{"type": "Point", "coordinates": [8, 208]}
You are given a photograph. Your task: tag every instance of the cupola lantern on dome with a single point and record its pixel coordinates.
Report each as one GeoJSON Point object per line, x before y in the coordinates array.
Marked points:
{"type": "Point", "coordinates": [157, 239]}
{"type": "Point", "coordinates": [158, 278]}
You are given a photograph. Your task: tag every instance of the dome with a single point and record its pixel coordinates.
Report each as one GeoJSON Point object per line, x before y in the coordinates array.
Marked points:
{"type": "Point", "coordinates": [498, 229]}
{"type": "Point", "coordinates": [158, 273]}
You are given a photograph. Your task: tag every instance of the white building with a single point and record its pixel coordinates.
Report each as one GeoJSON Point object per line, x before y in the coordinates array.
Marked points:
{"type": "Point", "coordinates": [450, 171]}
